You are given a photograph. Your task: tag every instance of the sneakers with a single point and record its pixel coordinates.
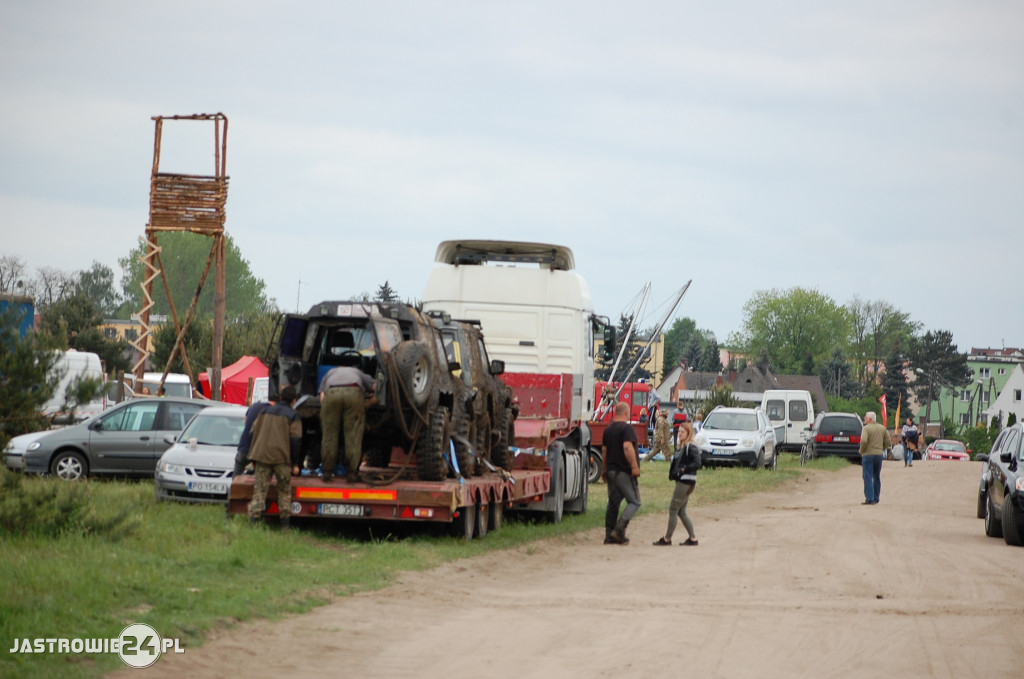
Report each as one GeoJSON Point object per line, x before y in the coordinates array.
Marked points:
{"type": "Point", "coordinates": [690, 542]}
{"type": "Point", "coordinates": [662, 542]}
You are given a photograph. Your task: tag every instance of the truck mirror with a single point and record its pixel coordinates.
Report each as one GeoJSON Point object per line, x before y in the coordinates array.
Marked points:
{"type": "Point", "coordinates": [608, 347]}
{"type": "Point", "coordinates": [497, 367]}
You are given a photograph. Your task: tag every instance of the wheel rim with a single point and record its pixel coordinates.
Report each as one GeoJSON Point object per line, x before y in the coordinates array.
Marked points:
{"type": "Point", "coordinates": [69, 469]}
{"type": "Point", "coordinates": [420, 376]}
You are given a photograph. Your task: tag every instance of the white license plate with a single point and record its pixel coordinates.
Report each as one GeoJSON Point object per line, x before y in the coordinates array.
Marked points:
{"type": "Point", "coordinates": [720, 451]}
{"type": "Point", "coordinates": [841, 439]}
{"type": "Point", "coordinates": [208, 487]}
{"type": "Point", "coordinates": [339, 510]}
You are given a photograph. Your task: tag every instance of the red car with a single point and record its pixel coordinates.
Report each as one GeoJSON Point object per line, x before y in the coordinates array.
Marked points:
{"type": "Point", "coordinates": [946, 449]}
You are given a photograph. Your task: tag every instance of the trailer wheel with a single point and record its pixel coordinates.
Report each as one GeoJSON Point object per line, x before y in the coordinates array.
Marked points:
{"type": "Point", "coordinates": [482, 518]}
{"type": "Point", "coordinates": [413, 361]}
{"type": "Point", "coordinates": [430, 464]}
{"type": "Point", "coordinates": [496, 515]}
{"type": "Point", "coordinates": [465, 523]}
{"type": "Point", "coordinates": [557, 483]}
{"type": "Point", "coordinates": [501, 456]}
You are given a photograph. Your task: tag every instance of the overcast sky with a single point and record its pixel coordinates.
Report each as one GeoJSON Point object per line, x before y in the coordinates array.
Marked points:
{"type": "Point", "coordinates": [871, 148]}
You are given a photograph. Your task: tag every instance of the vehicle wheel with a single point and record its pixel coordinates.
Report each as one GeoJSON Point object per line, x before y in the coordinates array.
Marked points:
{"type": "Point", "coordinates": [775, 460]}
{"type": "Point", "coordinates": [496, 515]}
{"type": "Point", "coordinates": [464, 524]}
{"type": "Point", "coordinates": [981, 504]}
{"type": "Point", "coordinates": [69, 466]}
{"type": "Point", "coordinates": [1011, 529]}
{"type": "Point", "coordinates": [594, 463]}
{"type": "Point", "coordinates": [430, 447]}
{"type": "Point", "coordinates": [463, 453]}
{"type": "Point", "coordinates": [557, 484]}
{"type": "Point", "coordinates": [413, 361]}
{"type": "Point", "coordinates": [759, 462]}
{"type": "Point", "coordinates": [993, 523]}
{"type": "Point", "coordinates": [482, 519]}
{"type": "Point", "coordinates": [501, 456]}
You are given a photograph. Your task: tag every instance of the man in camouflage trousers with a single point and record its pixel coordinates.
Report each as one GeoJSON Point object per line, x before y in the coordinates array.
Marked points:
{"type": "Point", "coordinates": [662, 436]}
{"type": "Point", "coordinates": [276, 449]}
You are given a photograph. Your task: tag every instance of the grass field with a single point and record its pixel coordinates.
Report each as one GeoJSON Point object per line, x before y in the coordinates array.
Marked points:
{"type": "Point", "coordinates": [187, 569]}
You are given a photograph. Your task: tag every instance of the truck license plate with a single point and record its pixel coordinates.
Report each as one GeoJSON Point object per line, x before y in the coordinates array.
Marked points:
{"type": "Point", "coordinates": [720, 451]}
{"type": "Point", "coordinates": [208, 487]}
{"type": "Point", "coordinates": [339, 510]}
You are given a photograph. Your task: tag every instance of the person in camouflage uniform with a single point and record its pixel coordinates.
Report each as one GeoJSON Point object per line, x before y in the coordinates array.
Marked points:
{"type": "Point", "coordinates": [276, 449]}
{"type": "Point", "coordinates": [662, 436]}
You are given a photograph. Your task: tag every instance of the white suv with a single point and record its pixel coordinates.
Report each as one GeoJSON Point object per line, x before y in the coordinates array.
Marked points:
{"type": "Point", "coordinates": [735, 436]}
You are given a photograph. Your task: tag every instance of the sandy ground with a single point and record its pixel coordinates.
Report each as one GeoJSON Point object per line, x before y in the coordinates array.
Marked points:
{"type": "Point", "coordinates": [802, 582]}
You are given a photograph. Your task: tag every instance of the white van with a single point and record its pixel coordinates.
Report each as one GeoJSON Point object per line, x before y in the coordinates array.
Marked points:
{"type": "Point", "coordinates": [72, 367]}
{"type": "Point", "coordinates": [792, 413]}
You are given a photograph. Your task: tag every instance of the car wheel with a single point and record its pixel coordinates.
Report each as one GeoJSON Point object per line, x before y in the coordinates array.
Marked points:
{"type": "Point", "coordinates": [775, 460]}
{"type": "Point", "coordinates": [1011, 527]}
{"type": "Point", "coordinates": [759, 462]}
{"type": "Point", "coordinates": [993, 523]}
{"type": "Point", "coordinates": [69, 466]}
{"type": "Point", "coordinates": [981, 503]}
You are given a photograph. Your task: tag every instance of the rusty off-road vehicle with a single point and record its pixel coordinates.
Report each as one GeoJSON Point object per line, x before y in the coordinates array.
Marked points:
{"type": "Point", "coordinates": [488, 406]}
{"type": "Point", "coordinates": [418, 398]}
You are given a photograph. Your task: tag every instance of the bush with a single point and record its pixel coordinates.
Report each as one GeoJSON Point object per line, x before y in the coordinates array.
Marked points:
{"type": "Point", "coordinates": [52, 508]}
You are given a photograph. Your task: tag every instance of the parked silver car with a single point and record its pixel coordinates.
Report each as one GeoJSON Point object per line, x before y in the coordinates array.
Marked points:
{"type": "Point", "coordinates": [737, 436]}
{"type": "Point", "coordinates": [127, 439]}
{"type": "Point", "coordinates": [198, 466]}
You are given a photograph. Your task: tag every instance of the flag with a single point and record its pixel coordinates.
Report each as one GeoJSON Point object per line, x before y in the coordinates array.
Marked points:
{"type": "Point", "coordinates": [896, 422]}
{"type": "Point", "coordinates": [885, 414]}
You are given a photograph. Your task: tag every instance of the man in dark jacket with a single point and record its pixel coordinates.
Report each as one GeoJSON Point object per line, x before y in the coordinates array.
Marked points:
{"type": "Point", "coordinates": [276, 449]}
{"type": "Point", "coordinates": [621, 470]}
{"type": "Point", "coordinates": [245, 440]}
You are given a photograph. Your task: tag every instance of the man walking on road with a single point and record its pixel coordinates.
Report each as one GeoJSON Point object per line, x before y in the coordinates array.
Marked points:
{"type": "Point", "coordinates": [620, 472]}
{"type": "Point", "coordinates": [874, 443]}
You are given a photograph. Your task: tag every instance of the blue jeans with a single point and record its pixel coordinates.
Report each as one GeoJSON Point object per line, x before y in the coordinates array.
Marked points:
{"type": "Point", "coordinates": [621, 486]}
{"type": "Point", "coordinates": [871, 467]}
{"type": "Point", "coordinates": [908, 454]}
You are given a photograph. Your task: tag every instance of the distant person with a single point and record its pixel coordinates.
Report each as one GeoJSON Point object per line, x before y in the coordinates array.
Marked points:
{"type": "Point", "coordinates": [160, 391]}
{"type": "Point", "coordinates": [662, 437]}
{"type": "Point", "coordinates": [698, 422]}
{"type": "Point", "coordinates": [276, 449]}
{"type": "Point", "coordinates": [146, 391]}
{"type": "Point", "coordinates": [874, 442]}
{"type": "Point", "coordinates": [909, 436]}
{"type": "Point", "coordinates": [683, 471]}
{"type": "Point", "coordinates": [345, 393]}
{"type": "Point", "coordinates": [245, 439]}
{"type": "Point", "coordinates": [621, 469]}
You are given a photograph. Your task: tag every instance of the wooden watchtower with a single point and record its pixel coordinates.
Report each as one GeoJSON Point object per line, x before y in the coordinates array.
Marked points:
{"type": "Point", "coordinates": [193, 203]}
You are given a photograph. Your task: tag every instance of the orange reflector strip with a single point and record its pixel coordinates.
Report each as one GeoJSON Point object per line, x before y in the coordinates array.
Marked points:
{"type": "Point", "coordinates": [345, 494]}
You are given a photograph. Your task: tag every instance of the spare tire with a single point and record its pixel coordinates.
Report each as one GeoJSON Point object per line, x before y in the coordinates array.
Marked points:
{"type": "Point", "coordinates": [415, 370]}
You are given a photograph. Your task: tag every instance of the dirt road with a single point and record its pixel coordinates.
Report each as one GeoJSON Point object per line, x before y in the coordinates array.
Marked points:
{"type": "Point", "coordinates": [802, 582]}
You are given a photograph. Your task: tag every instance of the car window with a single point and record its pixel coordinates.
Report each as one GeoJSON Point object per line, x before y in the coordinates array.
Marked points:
{"type": "Point", "coordinates": [1012, 443]}
{"type": "Point", "coordinates": [136, 417]}
{"type": "Point", "coordinates": [216, 430]}
{"type": "Point", "coordinates": [1020, 448]}
{"type": "Point", "coordinates": [734, 421]}
{"type": "Point", "coordinates": [798, 410]}
{"type": "Point", "coordinates": [952, 446]}
{"type": "Point", "coordinates": [178, 415]}
{"type": "Point", "coordinates": [776, 409]}
{"type": "Point", "coordinates": [835, 425]}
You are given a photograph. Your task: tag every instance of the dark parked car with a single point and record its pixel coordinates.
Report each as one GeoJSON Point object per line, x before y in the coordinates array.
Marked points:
{"type": "Point", "coordinates": [833, 434]}
{"type": "Point", "coordinates": [126, 439]}
{"type": "Point", "coordinates": [1001, 494]}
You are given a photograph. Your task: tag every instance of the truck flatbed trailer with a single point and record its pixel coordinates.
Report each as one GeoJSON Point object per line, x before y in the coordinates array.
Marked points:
{"type": "Point", "coordinates": [471, 506]}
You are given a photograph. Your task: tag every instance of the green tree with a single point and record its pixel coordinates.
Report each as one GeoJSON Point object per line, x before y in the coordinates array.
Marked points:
{"type": "Point", "coordinates": [74, 323]}
{"type": "Point", "coordinates": [198, 343]}
{"type": "Point", "coordinates": [184, 256]}
{"type": "Point", "coordinates": [26, 377]}
{"type": "Point", "coordinates": [837, 376]}
{"type": "Point", "coordinates": [935, 354]}
{"type": "Point", "coordinates": [251, 336]}
{"type": "Point", "coordinates": [97, 284]}
{"type": "Point", "coordinates": [894, 385]}
{"type": "Point", "coordinates": [794, 329]}
{"type": "Point", "coordinates": [685, 343]}
{"type": "Point", "coordinates": [385, 293]}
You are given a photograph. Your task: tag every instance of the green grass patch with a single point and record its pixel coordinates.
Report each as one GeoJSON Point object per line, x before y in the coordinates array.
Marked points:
{"type": "Point", "coordinates": [187, 569]}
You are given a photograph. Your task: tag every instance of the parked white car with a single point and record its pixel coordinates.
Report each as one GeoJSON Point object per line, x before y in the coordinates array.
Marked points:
{"type": "Point", "coordinates": [199, 464]}
{"type": "Point", "coordinates": [738, 436]}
